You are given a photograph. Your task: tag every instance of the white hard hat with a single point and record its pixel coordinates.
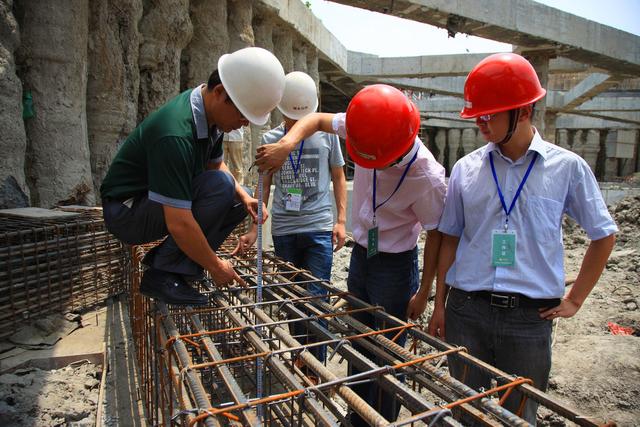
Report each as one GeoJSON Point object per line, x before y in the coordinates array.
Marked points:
{"type": "Point", "coordinates": [300, 96]}
{"type": "Point", "coordinates": [254, 79]}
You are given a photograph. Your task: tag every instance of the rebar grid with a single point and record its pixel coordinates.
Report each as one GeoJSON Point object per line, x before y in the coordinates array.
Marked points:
{"type": "Point", "coordinates": [56, 265]}
{"type": "Point", "coordinates": [198, 366]}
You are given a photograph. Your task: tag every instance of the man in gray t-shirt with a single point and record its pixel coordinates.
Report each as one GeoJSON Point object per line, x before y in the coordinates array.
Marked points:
{"type": "Point", "coordinates": [304, 232]}
{"type": "Point", "coordinates": [301, 218]}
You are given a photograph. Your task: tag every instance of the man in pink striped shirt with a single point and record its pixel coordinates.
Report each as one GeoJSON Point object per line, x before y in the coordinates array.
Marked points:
{"type": "Point", "coordinates": [398, 190]}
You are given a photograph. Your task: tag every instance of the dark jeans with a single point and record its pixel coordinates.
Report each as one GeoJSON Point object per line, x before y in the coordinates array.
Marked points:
{"type": "Point", "coordinates": [514, 340]}
{"type": "Point", "coordinates": [388, 280]}
{"type": "Point", "coordinates": [312, 251]}
{"type": "Point", "coordinates": [214, 208]}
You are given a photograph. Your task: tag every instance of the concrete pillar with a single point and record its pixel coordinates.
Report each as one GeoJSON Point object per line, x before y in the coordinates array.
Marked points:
{"type": "Point", "coordinates": [628, 166]}
{"type": "Point", "coordinates": [166, 29]}
{"type": "Point", "coordinates": [54, 67]}
{"type": "Point", "coordinates": [540, 62]}
{"type": "Point", "coordinates": [550, 126]}
{"type": "Point", "coordinates": [239, 22]}
{"type": "Point", "coordinates": [263, 24]}
{"type": "Point", "coordinates": [114, 79]}
{"type": "Point", "coordinates": [592, 148]}
{"type": "Point", "coordinates": [14, 192]}
{"type": "Point", "coordinates": [299, 55]}
{"type": "Point", "coordinates": [441, 143]}
{"type": "Point", "coordinates": [283, 50]}
{"type": "Point", "coordinates": [563, 139]}
{"type": "Point", "coordinates": [312, 70]}
{"type": "Point", "coordinates": [610, 168]}
{"type": "Point", "coordinates": [209, 42]}
{"type": "Point", "coordinates": [241, 35]}
{"type": "Point", "coordinates": [455, 147]}
{"type": "Point", "coordinates": [468, 140]}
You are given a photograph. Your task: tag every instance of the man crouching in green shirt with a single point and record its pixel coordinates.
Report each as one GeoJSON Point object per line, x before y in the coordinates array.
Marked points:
{"type": "Point", "coordinates": [169, 177]}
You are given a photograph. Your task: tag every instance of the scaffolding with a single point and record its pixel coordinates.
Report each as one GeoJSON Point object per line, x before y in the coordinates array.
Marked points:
{"type": "Point", "coordinates": [198, 366]}
{"type": "Point", "coordinates": [57, 265]}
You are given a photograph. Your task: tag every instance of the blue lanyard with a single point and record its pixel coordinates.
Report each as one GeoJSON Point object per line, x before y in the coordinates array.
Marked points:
{"type": "Point", "coordinates": [404, 174]}
{"type": "Point", "coordinates": [524, 179]}
{"type": "Point", "coordinates": [295, 166]}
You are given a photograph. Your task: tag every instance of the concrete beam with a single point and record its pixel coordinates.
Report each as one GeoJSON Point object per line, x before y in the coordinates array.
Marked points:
{"type": "Point", "coordinates": [572, 121]}
{"type": "Point", "coordinates": [631, 117]}
{"type": "Point", "coordinates": [452, 86]}
{"type": "Point", "coordinates": [445, 123]}
{"type": "Point", "coordinates": [310, 28]}
{"type": "Point", "coordinates": [454, 117]}
{"type": "Point", "coordinates": [439, 104]}
{"type": "Point", "coordinates": [366, 65]}
{"type": "Point", "coordinates": [611, 103]}
{"type": "Point", "coordinates": [523, 23]}
{"type": "Point", "coordinates": [592, 85]}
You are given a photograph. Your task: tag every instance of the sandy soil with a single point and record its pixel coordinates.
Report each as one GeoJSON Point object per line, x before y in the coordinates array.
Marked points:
{"type": "Point", "coordinates": [593, 370]}
{"type": "Point", "coordinates": [60, 397]}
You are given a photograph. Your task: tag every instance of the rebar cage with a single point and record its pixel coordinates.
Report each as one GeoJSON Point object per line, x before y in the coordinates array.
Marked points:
{"type": "Point", "coordinates": [57, 265]}
{"type": "Point", "coordinates": [239, 362]}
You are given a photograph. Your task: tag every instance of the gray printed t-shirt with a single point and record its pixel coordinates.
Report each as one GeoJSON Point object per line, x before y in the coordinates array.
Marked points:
{"type": "Point", "coordinates": [320, 153]}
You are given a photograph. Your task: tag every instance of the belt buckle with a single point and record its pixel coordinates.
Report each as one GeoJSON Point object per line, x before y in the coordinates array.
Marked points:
{"type": "Point", "coordinates": [502, 301]}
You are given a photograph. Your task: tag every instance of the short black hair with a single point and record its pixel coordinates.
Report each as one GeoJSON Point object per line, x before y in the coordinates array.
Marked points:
{"type": "Point", "coordinates": [214, 80]}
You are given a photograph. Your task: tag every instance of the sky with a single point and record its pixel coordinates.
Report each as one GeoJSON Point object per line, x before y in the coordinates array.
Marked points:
{"type": "Point", "coordinates": [364, 31]}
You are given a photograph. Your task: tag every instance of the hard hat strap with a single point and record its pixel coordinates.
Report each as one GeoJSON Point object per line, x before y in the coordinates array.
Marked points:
{"type": "Point", "coordinates": [514, 115]}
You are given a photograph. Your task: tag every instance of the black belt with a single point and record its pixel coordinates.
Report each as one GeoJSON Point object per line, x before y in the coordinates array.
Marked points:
{"type": "Point", "coordinates": [511, 300]}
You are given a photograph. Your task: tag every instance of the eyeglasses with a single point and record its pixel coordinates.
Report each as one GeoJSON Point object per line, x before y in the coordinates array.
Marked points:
{"type": "Point", "coordinates": [486, 117]}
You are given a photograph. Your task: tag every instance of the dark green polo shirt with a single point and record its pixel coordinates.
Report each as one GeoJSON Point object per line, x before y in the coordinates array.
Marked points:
{"type": "Point", "coordinates": [163, 155]}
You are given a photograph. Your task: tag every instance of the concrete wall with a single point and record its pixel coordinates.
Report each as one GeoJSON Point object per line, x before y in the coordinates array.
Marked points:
{"type": "Point", "coordinates": [96, 69]}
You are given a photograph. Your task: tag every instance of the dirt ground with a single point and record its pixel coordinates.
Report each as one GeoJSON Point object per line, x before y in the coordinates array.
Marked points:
{"type": "Point", "coordinates": [593, 371]}
{"type": "Point", "coordinates": [59, 397]}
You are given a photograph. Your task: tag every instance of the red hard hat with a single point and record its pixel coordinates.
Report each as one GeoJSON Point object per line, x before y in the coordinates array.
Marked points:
{"type": "Point", "coordinates": [381, 126]}
{"type": "Point", "coordinates": [500, 82]}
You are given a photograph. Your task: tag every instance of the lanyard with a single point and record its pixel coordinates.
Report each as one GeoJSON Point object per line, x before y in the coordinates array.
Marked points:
{"type": "Point", "coordinates": [404, 174]}
{"type": "Point", "coordinates": [295, 166]}
{"type": "Point", "coordinates": [513, 202]}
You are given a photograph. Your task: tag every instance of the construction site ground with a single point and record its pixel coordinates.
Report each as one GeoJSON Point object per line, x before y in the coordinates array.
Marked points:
{"type": "Point", "coordinates": [594, 370]}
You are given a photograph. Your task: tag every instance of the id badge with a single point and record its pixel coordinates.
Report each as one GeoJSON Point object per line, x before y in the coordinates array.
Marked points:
{"type": "Point", "coordinates": [293, 199]}
{"type": "Point", "coordinates": [503, 248]}
{"type": "Point", "coordinates": [372, 242]}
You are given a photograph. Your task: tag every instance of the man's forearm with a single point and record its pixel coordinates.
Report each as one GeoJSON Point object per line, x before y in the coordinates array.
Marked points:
{"type": "Point", "coordinates": [595, 259]}
{"type": "Point", "coordinates": [307, 126]}
{"type": "Point", "coordinates": [340, 195]}
{"type": "Point", "coordinates": [430, 261]}
{"type": "Point", "coordinates": [446, 258]}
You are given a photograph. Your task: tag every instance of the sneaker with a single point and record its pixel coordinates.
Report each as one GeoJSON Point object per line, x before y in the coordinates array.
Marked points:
{"type": "Point", "coordinates": [169, 288]}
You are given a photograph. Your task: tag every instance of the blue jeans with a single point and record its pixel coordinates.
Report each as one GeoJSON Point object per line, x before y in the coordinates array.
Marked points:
{"type": "Point", "coordinates": [388, 280]}
{"type": "Point", "coordinates": [214, 208]}
{"type": "Point", "coordinates": [312, 251]}
{"type": "Point", "coordinates": [514, 340]}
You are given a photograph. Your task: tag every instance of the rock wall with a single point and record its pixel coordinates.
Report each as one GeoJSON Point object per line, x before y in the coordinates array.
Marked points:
{"type": "Point", "coordinates": [165, 29]}
{"type": "Point", "coordinates": [209, 42]}
{"type": "Point", "coordinates": [114, 79]}
{"type": "Point", "coordinates": [53, 66]}
{"type": "Point", "coordinates": [13, 141]}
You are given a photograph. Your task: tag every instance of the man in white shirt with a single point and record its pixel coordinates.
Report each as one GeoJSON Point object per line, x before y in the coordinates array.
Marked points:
{"type": "Point", "coordinates": [502, 249]}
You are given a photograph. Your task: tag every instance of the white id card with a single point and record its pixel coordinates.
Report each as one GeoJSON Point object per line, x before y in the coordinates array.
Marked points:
{"type": "Point", "coordinates": [503, 248]}
{"type": "Point", "coordinates": [293, 199]}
